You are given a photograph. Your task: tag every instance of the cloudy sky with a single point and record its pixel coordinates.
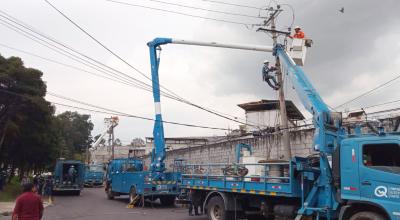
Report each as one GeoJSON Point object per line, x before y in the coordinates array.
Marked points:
{"type": "Point", "coordinates": [352, 53]}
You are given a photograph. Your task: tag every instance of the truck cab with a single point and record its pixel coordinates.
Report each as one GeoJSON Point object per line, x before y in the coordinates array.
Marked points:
{"type": "Point", "coordinates": [69, 176]}
{"type": "Point", "coordinates": [370, 176]}
{"type": "Point", "coordinates": [94, 175]}
{"type": "Point", "coordinates": [126, 176]}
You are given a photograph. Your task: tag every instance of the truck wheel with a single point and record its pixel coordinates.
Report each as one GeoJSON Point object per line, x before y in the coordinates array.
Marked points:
{"type": "Point", "coordinates": [110, 193]}
{"type": "Point", "coordinates": [367, 216]}
{"type": "Point", "coordinates": [132, 196]}
{"type": "Point", "coordinates": [216, 209]}
{"type": "Point", "coordinates": [167, 200]}
{"type": "Point", "coordinates": [78, 193]}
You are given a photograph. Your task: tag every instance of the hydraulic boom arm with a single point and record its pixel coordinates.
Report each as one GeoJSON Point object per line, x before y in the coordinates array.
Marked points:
{"type": "Point", "coordinates": [327, 123]}
{"type": "Point", "coordinates": [327, 137]}
{"type": "Point", "coordinates": [157, 164]}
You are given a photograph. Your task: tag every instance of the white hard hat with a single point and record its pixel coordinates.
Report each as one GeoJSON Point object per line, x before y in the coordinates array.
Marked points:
{"type": "Point", "coordinates": [266, 61]}
{"type": "Point", "coordinates": [297, 27]}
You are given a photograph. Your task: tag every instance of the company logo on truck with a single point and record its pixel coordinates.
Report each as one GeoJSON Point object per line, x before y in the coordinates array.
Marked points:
{"type": "Point", "coordinates": [387, 192]}
{"type": "Point", "coordinates": [381, 191]}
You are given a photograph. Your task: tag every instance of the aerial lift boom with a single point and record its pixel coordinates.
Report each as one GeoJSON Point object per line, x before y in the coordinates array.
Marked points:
{"type": "Point", "coordinates": [157, 164]}
{"type": "Point", "coordinates": [327, 123]}
{"type": "Point", "coordinates": [327, 136]}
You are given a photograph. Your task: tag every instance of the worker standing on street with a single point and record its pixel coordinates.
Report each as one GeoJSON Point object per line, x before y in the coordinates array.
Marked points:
{"type": "Point", "coordinates": [194, 203]}
{"type": "Point", "coordinates": [48, 189]}
{"type": "Point", "coordinates": [298, 33]}
{"type": "Point", "coordinates": [28, 205]}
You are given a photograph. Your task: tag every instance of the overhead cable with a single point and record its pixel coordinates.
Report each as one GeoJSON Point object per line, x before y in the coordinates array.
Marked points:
{"type": "Point", "coordinates": [180, 13]}
{"type": "Point", "coordinates": [112, 112]}
{"type": "Point", "coordinates": [232, 4]}
{"type": "Point", "coordinates": [96, 63]}
{"type": "Point", "coordinates": [370, 91]}
{"type": "Point", "coordinates": [204, 9]}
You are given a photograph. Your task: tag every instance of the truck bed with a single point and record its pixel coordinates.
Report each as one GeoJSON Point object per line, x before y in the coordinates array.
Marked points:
{"type": "Point", "coordinates": [264, 184]}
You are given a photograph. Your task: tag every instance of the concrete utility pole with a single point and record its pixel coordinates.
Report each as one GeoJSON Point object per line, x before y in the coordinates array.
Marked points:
{"type": "Point", "coordinates": [112, 123]}
{"type": "Point", "coordinates": [285, 153]}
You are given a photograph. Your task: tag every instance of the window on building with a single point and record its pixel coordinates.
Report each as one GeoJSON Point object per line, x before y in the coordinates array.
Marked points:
{"type": "Point", "coordinates": [384, 157]}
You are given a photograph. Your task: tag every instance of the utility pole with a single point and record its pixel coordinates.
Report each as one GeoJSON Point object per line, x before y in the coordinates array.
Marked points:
{"type": "Point", "coordinates": [285, 153]}
{"type": "Point", "coordinates": [112, 123]}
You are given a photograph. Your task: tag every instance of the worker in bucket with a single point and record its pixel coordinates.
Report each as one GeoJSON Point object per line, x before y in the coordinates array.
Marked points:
{"type": "Point", "coordinates": [298, 33]}
{"type": "Point", "coordinates": [268, 75]}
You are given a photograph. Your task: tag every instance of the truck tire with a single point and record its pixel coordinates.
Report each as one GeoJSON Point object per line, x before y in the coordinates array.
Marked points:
{"type": "Point", "coordinates": [167, 200]}
{"type": "Point", "coordinates": [77, 192]}
{"type": "Point", "coordinates": [110, 193]}
{"type": "Point", "coordinates": [216, 209]}
{"type": "Point", "coordinates": [367, 216]}
{"type": "Point", "coordinates": [132, 196]}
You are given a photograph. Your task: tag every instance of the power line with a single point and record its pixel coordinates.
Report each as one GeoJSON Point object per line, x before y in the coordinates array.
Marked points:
{"type": "Point", "coordinates": [180, 13]}
{"type": "Point", "coordinates": [233, 4]}
{"type": "Point", "coordinates": [113, 53]}
{"type": "Point", "coordinates": [139, 84]}
{"type": "Point", "coordinates": [97, 41]}
{"type": "Point", "coordinates": [370, 91]}
{"type": "Point", "coordinates": [89, 72]}
{"type": "Point", "coordinates": [109, 111]}
{"type": "Point", "coordinates": [205, 9]}
{"type": "Point", "coordinates": [76, 58]}
{"type": "Point", "coordinates": [385, 103]}
{"type": "Point", "coordinates": [71, 66]}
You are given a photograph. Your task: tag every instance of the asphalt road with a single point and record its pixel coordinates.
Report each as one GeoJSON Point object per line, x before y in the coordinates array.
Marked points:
{"type": "Point", "coordinates": [92, 204]}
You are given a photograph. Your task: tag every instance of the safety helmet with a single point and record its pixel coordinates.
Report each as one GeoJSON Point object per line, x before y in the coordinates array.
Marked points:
{"type": "Point", "coordinates": [297, 27]}
{"type": "Point", "coordinates": [266, 61]}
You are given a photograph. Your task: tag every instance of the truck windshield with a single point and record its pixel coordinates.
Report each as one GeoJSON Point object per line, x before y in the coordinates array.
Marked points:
{"type": "Point", "coordinates": [95, 168]}
{"type": "Point", "coordinates": [384, 157]}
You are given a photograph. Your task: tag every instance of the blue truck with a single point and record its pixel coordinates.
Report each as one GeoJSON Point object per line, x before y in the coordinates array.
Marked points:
{"type": "Point", "coordinates": [126, 176]}
{"type": "Point", "coordinates": [351, 175]}
{"type": "Point", "coordinates": [69, 176]}
{"type": "Point", "coordinates": [94, 175]}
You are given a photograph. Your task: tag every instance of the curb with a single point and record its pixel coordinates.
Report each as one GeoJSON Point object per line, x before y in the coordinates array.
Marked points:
{"type": "Point", "coordinates": [6, 213]}
{"type": "Point", "coordinates": [9, 213]}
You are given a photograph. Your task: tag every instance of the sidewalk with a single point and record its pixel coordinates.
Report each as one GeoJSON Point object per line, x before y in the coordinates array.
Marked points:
{"type": "Point", "coordinates": [6, 208]}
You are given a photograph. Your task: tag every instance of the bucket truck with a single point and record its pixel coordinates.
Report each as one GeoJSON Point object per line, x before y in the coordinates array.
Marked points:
{"type": "Point", "coordinates": [363, 182]}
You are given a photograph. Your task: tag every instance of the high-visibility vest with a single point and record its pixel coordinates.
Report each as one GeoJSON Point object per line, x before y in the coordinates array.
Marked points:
{"type": "Point", "coordinates": [299, 34]}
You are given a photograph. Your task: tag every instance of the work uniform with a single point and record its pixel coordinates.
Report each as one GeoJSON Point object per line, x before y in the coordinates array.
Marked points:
{"type": "Point", "coordinates": [72, 174]}
{"type": "Point", "coordinates": [194, 203]}
{"type": "Point", "coordinates": [299, 34]}
{"type": "Point", "coordinates": [29, 206]}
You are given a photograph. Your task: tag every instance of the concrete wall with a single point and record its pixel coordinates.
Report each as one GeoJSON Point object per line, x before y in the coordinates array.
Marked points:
{"type": "Point", "coordinates": [264, 146]}
{"type": "Point", "coordinates": [224, 152]}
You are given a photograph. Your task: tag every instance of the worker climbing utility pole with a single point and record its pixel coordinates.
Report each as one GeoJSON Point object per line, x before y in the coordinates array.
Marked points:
{"type": "Point", "coordinates": [284, 152]}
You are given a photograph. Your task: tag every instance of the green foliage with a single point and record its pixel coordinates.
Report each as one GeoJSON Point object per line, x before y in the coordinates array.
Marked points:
{"type": "Point", "coordinates": [11, 190]}
{"type": "Point", "coordinates": [31, 136]}
{"type": "Point", "coordinates": [75, 129]}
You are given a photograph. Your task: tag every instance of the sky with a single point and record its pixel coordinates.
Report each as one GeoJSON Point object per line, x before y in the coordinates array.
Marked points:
{"type": "Point", "coordinates": [352, 52]}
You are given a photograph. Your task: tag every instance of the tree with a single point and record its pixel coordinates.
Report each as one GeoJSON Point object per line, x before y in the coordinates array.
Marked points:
{"type": "Point", "coordinates": [138, 142]}
{"type": "Point", "coordinates": [27, 141]}
{"type": "Point", "coordinates": [76, 131]}
{"type": "Point", "coordinates": [31, 136]}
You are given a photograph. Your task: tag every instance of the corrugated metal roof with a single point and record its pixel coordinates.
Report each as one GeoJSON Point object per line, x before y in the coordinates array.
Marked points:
{"type": "Point", "coordinates": [269, 105]}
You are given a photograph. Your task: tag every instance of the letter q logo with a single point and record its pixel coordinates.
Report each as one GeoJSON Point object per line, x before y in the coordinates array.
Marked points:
{"type": "Point", "coordinates": [381, 191]}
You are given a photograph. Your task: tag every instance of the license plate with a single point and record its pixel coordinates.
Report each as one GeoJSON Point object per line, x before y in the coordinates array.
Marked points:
{"type": "Point", "coordinates": [162, 187]}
